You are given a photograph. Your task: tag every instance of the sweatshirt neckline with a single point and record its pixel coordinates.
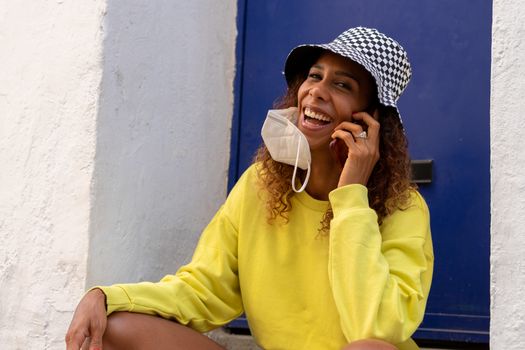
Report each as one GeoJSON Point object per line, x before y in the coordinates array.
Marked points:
{"type": "Point", "coordinates": [308, 201]}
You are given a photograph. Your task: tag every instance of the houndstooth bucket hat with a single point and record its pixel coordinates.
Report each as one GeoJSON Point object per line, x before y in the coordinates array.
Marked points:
{"type": "Point", "coordinates": [384, 58]}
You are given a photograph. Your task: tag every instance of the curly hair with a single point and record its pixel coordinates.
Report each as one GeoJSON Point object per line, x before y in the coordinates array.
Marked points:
{"type": "Point", "coordinates": [388, 185]}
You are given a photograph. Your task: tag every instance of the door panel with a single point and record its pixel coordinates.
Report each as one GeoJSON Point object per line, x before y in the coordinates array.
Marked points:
{"type": "Point", "coordinates": [445, 110]}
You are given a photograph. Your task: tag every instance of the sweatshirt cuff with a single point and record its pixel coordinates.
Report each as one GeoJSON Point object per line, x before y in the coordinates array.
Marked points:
{"type": "Point", "coordinates": [116, 299]}
{"type": "Point", "coordinates": [347, 197]}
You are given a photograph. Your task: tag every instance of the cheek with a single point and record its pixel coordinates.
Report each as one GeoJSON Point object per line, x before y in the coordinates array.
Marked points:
{"type": "Point", "coordinates": [346, 107]}
{"type": "Point", "coordinates": [364, 100]}
{"type": "Point", "coordinates": [353, 105]}
{"type": "Point", "coordinates": [302, 92]}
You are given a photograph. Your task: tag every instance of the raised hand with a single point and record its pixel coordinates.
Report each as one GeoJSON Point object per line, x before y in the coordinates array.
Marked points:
{"type": "Point", "coordinates": [362, 145]}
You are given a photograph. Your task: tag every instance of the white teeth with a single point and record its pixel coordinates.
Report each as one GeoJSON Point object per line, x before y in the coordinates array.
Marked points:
{"type": "Point", "coordinates": [309, 113]}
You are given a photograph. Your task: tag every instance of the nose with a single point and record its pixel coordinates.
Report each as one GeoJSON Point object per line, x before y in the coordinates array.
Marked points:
{"type": "Point", "coordinates": [319, 91]}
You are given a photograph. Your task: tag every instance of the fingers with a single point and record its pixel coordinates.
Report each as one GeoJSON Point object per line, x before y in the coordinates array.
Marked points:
{"type": "Point", "coordinates": [357, 146]}
{"type": "Point", "coordinates": [77, 340]}
{"type": "Point", "coordinates": [85, 346]}
{"type": "Point", "coordinates": [96, 338]}
{"type": "Point", "coordinates": [350, 128]}
{"type": "Point", "coordinates": [371, 125]}
{"type": "Point", "coordinates": [363, 152]}
{"type": "Point", "coordinates": [89, 321]}
{"type": "Point", "coordinates": [371, 122]}
{"type": "Point", "coordinates": [74, 339]}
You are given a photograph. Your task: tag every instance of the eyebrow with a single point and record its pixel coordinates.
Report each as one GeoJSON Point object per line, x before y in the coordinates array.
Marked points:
{"type": "Point", "coordinates": [340, 72]}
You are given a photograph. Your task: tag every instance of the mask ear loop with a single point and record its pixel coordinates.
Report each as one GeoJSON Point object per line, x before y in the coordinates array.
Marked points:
{"type": "Point", "coordinates": [295, 170]}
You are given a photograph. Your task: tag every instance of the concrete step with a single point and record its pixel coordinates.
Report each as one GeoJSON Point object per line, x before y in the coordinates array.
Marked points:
{"type": "Point", "coordinates": [233, 341]}
{"type": "Point", "coordinates": [243, 342]}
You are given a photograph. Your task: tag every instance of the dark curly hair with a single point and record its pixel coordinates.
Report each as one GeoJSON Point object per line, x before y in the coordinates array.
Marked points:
{"type": "Point", "coordinates": [388, 185]}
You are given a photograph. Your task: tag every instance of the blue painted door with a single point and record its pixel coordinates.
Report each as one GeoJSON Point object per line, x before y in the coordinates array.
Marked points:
{"type": "Point", "coordinates": [446, 113]}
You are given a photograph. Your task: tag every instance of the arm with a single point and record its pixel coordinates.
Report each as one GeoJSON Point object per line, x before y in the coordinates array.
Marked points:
{"type": "Point", "coordinates": [203, 294]}
{"type": "Point", "coordinates": [380, 276]}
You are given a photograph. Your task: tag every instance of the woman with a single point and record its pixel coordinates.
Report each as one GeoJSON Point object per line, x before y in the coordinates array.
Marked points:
{"type": "Point", "coordinates": [346, 263]}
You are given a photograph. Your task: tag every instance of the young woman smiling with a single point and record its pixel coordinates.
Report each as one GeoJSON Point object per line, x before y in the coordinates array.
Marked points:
{"type": "Point", "coordinates": [345, 264]}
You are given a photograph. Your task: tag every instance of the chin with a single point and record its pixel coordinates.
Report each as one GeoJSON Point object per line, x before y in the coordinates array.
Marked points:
{"type": "Point", "coordinates": [319, 145]}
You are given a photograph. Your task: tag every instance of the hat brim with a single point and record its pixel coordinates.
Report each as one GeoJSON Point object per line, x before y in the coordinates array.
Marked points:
{"type": "Point", "coordinates": [299, 62]}
{"type": "Point", "coordinates": [301, 59]}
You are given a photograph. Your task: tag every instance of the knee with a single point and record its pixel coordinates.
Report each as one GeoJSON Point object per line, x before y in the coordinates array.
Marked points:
{"type": "Point", "coordinates": [120, 330]}
{"type": "Point", "coordinates": [370, 344]}
{"type": "Point", "coordinates": [130, 331]}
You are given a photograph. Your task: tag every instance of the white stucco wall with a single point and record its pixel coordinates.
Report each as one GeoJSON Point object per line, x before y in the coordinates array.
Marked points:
{"type": "Point", "coordinates": [50, 72]}
{"type": "Point", "coordinates": [163, 134]}
{"type": "Point", "coordinates": [114, 143]}
{"type": "Point", "coordinates": [508, 176]}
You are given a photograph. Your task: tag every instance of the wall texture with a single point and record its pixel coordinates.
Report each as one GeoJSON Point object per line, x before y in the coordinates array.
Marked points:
{"type": "Point", "coordinates": [114, 143]}
{"type": "Point", "coordinates": [163, 134]}
{"type": "Point", "coordinates": [49, 82]}
{"type": "Point", "coordinates": [508, 180]}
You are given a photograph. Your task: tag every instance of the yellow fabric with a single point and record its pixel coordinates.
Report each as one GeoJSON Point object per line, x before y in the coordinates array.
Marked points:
{"type": "Point", "coordinates": [299, 289]}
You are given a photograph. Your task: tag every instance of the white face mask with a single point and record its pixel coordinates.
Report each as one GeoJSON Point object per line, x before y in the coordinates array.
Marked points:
{"type": "Point", "coordinates": [286, 143]}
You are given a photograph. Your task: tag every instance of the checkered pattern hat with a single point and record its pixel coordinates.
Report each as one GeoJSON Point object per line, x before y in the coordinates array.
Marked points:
{"type": "Point", "coordinates": [384, 58]}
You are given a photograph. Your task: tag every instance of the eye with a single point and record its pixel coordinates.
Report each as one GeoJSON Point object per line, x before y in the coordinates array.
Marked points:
{"type": "Point", "coordinates": [343, 85]}
{"type": "Point", "coordinates": [314, 76]}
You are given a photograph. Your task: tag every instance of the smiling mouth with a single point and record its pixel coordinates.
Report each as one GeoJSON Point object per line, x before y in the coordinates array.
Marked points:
{"type": "Point", "coordinates": [316, 118]}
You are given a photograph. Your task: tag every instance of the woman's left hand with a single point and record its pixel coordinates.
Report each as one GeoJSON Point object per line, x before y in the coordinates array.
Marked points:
{"type": "Point", "coordinates": [363, 153]}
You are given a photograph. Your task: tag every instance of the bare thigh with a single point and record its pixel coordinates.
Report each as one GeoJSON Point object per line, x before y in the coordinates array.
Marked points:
{"type": "Point", "coordinates": [133, 331]}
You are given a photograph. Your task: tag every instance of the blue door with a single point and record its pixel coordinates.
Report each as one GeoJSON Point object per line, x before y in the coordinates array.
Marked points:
{"type": "Point", "coordinates": [446, 114]}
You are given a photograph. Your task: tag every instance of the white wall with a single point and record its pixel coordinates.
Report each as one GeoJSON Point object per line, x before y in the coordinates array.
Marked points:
{"type": "Point", "coordinates": [163, 134]}
{"type": "Point", "coordinates": [508, 176]}
{"type": "Point", "coordinates": [50, 72]}
{"type": "Point", "coordinates": [114, 144]}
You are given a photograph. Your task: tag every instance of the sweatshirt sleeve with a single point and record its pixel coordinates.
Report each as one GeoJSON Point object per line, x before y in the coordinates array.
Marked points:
{"type": "Point", "coordinates": [203, 294]}
{"type": "Point", "coordinates": [380, 275]}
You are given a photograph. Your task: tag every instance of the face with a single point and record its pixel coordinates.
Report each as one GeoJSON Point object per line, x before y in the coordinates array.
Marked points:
{"type": "Point", "coordinates": [336, 87]}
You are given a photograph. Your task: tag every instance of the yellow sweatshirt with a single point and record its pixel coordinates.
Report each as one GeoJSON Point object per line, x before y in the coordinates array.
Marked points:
{"type": "Point", "coordinates": [299, 290]}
